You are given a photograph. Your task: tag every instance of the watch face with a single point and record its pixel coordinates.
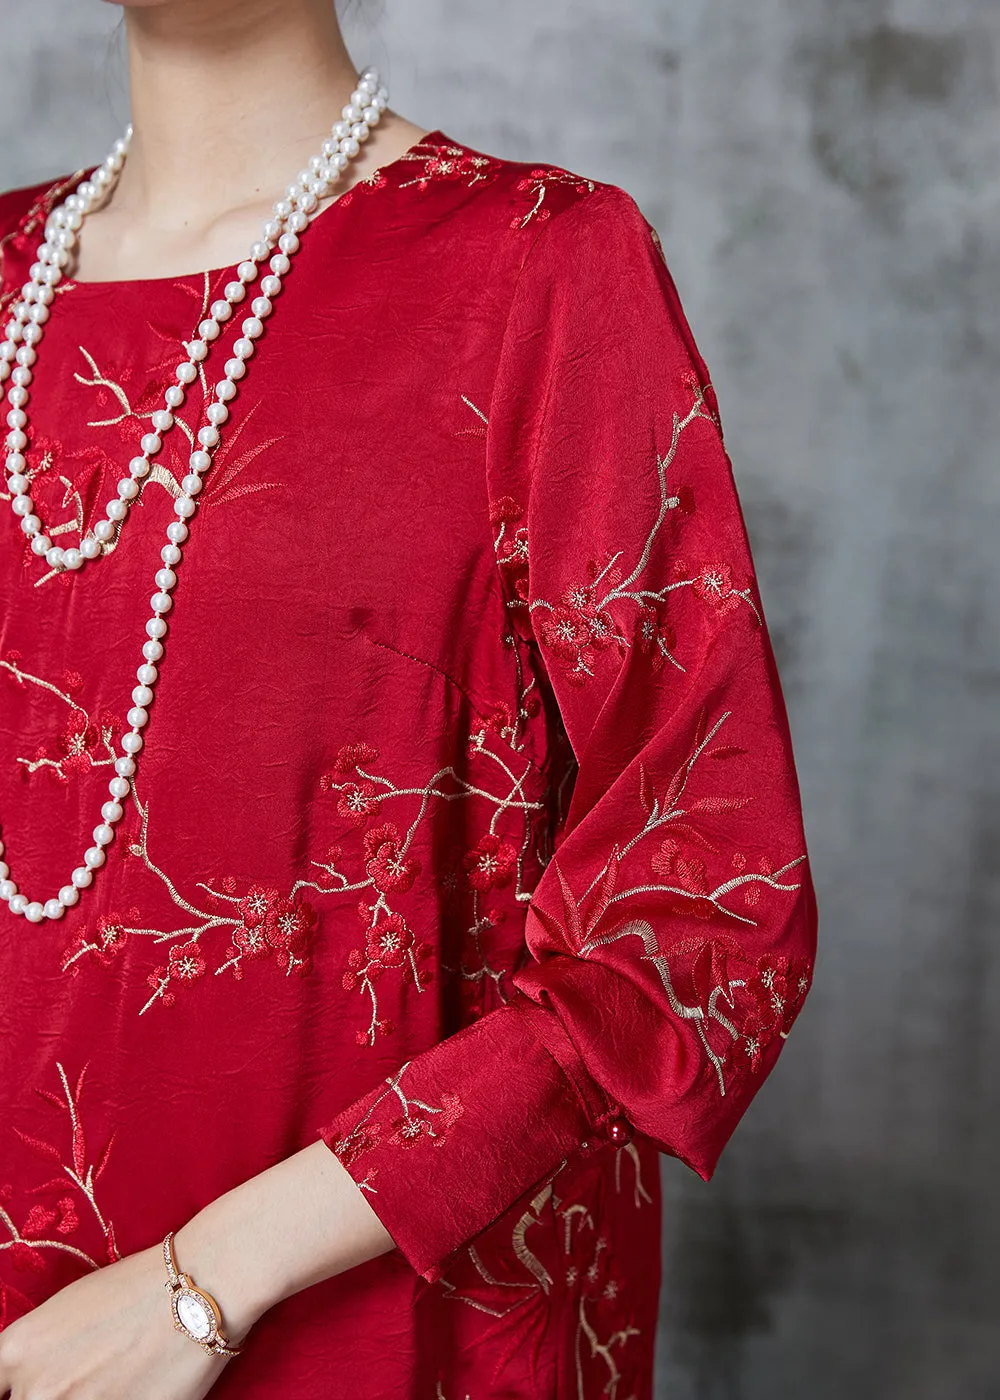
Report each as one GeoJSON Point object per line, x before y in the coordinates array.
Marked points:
{"type": "Point", "coordinates": [195, 1315]}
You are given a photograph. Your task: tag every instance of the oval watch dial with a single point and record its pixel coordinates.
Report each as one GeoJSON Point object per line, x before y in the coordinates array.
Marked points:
{"type": "Point", "coordinates": [195, 1316]}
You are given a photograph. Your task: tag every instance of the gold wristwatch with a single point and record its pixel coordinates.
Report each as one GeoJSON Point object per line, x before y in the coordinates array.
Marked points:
{"type": "Point", "coordinates": [196, 1312]}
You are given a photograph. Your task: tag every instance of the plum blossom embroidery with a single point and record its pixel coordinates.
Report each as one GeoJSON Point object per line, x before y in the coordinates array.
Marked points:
{"type": "Point", "coordinates": [453, 163]}
{"type": "Point", "coordinates": [608, 609]}
{"type": "Point", "coordinates": [82, 743]}
{"type": "Point", "coordinates": [555, 1254]}
{"type": "Point", "coordinates": [537, 184]}
{"type": "Point", "coordinates": [391, 945]}
{"type": "Point", "coordinates": [736, 1003]}
{"type": "Point", "coordinates": [413, 1122]}
{"type": "Point", "coordinates": [53, 1223]}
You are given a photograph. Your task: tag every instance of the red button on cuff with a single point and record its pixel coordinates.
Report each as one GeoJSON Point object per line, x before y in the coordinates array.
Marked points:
{"type": "Point", "coordinates": [619, 1131]}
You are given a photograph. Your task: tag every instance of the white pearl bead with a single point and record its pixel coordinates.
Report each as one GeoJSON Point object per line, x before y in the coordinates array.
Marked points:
{"type": "Point", "coordinates": [103, 835]}
{"type": "Point", "coordinates": [186, 373]}
{"type": "Point", "coordinates": [297, 222]}
{"type": "Point", "coordinates": [217, 413]}
{"type": "Point", "coordinates": [151, 443]}
{"type": "Point", "coordinates": [174, 396]}
{"type": "Point", "coordinates": [184, 507]}
{"type": "Point", "coordinates": [197, 349]}
{"type": "Point", "coordinates": [128, 488]}
{"type": "Point", "coordinates": [69, 895]}
{"type": "Point", "coordinates": [4, 871]}
{"type": "Point", "coordinates": [247, 271]}
{"type": "Point", "coordinates": [132, 743]}
{"type": "Point", "coordinates": [115, 510]}
{"type": "Point", "coordinates": [55, 909]}
{"type": "Point", "coordinates": [142, 696]}
{"type": "Point", "coordinates": [125, 766]}
{"type": "Point", "coordinates": [104, 530]}
{"type": "Point", "coordinates": [199, 461]}
{"type": "Point", "coordinates": [262, 307]}
{"type": "Point", "coordinates": [17, 903]}
{"type": "Point", "coordinates": [41, 544]}
{"type": "Point", "coordinates": [235, 291]}
{"type": "Point", "coordinates": [72, 559]}
{"type": "Point", "coordinates": [119, 787]}
{"type": "Point", "coordinates": [152, 651]}
{"type": "Point", "coordinates": [21, 505]}
{"type": "Point", "coordinates": [270, 286]}
{"type": "Point", "coordinates": [209, 435]}
{"type": "Point", "coordinates": [54, 557]}
{"type": "Point", "coordinates": [225, 390]}
{"type": "Point", "coordinates": [112, 812]}
{"type": "Point", "coordinates": [253, 328]}
{"type": "Point", "coordinates": [243, 348]}
{"type": "Point", "coordinates": [90, 547]}
{"type": "Point", "coordinates": [35, 912]}
{"type": "Point", "coordinates": [191, 485]}
{"type": "Point", "coordinates": [156, 627]}
{"type": "Point", "coordinates": [221, 310]}
{"type": "Point", "coordinates": [166, 578]}
{"type": "Point", "coordinates": [160, 603]}
{"type": "Point", "coordinates": [7, 890]}
{"type": "Point", "coordinates": [235, 369]}
{"type": "Point", "coordinates": [138, 717]}
{"type": "Point", "coordinates": [31, 524]}
{"type": "Point", "coordinates": [139, 466]}
{"type": "Point", "coordinates": [177, 532]}
{"type": "Point", "coordinates": [162, 420]}
{"type": "Point", "coordinates": [94, 858]}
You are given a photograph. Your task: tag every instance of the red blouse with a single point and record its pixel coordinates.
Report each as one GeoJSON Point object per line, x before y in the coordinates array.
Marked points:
{"type": "Point", "coordinates": [466, 835]}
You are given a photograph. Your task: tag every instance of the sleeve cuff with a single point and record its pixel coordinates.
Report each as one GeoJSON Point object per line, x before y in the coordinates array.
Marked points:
{"type": "Point", "coordinates": [445, 1144]}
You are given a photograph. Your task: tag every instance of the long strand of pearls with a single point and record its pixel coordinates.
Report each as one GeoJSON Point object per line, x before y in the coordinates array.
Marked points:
{"type": "Point", "coordinates": [18, 354]}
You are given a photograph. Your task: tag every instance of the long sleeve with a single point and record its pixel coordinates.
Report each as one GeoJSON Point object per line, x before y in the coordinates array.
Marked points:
{"type": "Point", "coordinates": [670, 939]}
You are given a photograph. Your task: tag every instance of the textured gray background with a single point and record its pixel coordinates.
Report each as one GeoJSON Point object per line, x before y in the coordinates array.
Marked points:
{"type": "Point", "coordinates": [825, 176]}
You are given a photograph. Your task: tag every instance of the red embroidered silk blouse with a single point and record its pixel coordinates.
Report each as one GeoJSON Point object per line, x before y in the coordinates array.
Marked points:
{"type": "Point", "coordinates": [466, 834]}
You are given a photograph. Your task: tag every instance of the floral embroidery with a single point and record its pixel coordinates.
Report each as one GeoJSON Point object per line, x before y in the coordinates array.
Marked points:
{"type": "Point", "coordinates": [583, 621]}
{"type": "Point", "coordinates": [82, 744]}
{"type": "Point", "coordinates": [555, 1254]}
{"type": "Point", "coordinates": [450, 163]}
{"type": "Point", "coordinates": [51, 1227]}
{"type": "Point", "coordinates": [737, 1004]}
{"type": "Point", "coordinates": [416, 1122]}
{"type": "Point", "coordinates": [537, 185]}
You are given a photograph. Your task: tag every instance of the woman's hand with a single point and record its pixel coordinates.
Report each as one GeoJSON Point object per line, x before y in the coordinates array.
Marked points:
{"type": "Point", "coordinates": [110, 1335]}
{"type": "Point", "coordinates": [107, 1336]}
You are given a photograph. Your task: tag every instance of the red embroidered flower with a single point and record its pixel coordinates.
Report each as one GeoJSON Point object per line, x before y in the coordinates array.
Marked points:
{"type": "Point", "coordinates": [349, 756]}
{"type": "Point", "coordinates": [258, 906]}
{"type": "Point", "coordinates": [252, 941]}
{"type": "Point", "coordinates": [385, 863]}
{"type": "Point", "coordinates": [111, 938]}
{"type": "Point", "coordinates": [358, 801]}
{"type": "Point", "coordinates": [289, 930]}
{"type": "Point", "coordinates": [504, 510]}
{"type": "Point", "coordinates": [490, 863]}
{"type": "Point", "coordinates": [714, 584]}
{"type": "Point", "coordinates": [361, 1140]}
{"type": "Point", "coordinates": [653, 634]}
{"type": "Point", "coordinates": [24, 1257]}
{"type": "Point", "coordinates": [389, 940]}
{"type": "Point", "coordinates": [407, 1132]}
{"type": "Point", "coordinates": [186, 961]}
{"type": "Point", "coordinates": [512, 552]}
{"type": "Point", "coordinates": [78, 743]}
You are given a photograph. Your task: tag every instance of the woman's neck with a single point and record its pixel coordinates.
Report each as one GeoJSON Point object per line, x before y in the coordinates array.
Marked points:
{"type": "Point", "coordinates": [229, 100]}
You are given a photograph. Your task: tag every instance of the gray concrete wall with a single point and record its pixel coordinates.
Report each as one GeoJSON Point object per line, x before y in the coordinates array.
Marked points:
{"type": "Point", "coordinates": [825, 176]}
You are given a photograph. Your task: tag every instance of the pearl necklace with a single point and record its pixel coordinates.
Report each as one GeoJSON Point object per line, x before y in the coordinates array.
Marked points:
{"type": "Point", "coordinates": [19, 351]}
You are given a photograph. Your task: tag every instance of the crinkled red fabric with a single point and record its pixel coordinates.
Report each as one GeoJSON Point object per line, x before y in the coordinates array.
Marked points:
{"type": "Point", "coordinates": [466, 835]}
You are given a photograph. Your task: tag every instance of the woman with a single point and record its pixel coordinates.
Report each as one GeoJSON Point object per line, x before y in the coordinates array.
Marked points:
{"type": "Point", "coordinates": [456, 868]}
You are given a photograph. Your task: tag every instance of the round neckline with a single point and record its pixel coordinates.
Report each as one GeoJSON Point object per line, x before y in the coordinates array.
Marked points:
{"type": "Point", "coordinates": [186, 279]}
